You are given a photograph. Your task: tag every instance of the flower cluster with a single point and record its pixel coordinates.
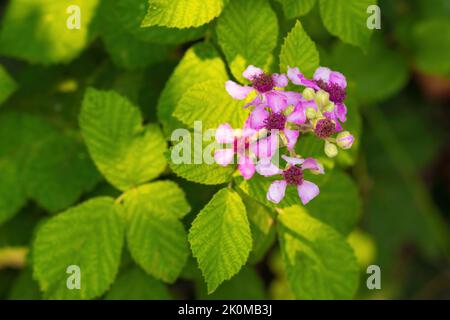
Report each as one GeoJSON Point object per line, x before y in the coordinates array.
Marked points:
{"type": "Point", "coordinates": [276, 122]}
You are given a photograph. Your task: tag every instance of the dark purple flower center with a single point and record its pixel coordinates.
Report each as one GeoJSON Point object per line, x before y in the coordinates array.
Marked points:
{"type": "Point", "coordinates": [275, 121]}
{"type": "Point", "coordinates": [337, 93]}
{"type": "Point", "coordinates": [293, 175]}
{"type": "Point", "coordinates": [325, 128]}
{"type": "Point", "coordinates": [263, 83]}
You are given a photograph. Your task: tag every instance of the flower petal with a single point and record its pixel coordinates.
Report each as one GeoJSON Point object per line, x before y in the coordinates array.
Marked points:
{"type": "Point", "coordinates": [291, 136]}
{"type": "Point", "coordinates": [293, 98]}
{"type": "Point", "coordinates": [280, 80]}
{"type": "Point", "coordinates": [266, 147]}
{"type": "Point", "coordinates": [338, 78]}
{"type": "Point", "coordinates": [224, 157]}
{"type": "Point", "coordinates": [225, 134]}
{"type": "Point", "coordinates": [310, 104]}
{"type": "Point", "coordinates": [252, 72]}
{"type": "Point", "coordinates": [257, 117]}
{"type": "Point", "coordinates": [237, 91]}
{"type": "Point", "coordinates": [276, 101]}
{"type": "Point", "coordinates": [255, 102]}
{"type": "Point", "coordinates": [266, 168]}
{"type": "Point", "coordinates": [323, 74]}
{"type": "Point", "coordinates": [246, 167]}
{"type": "Point", "coordinates": [313, 165]}
{"type": "Point", "coordinates": [276, 191]}
{"type": "Point", "coordinates": [298, 78]}
{"type": "Point", "coordinates": [341, 111]}
{"type": "Point", "coordinates": [307, 191]}
{"type": "Point", "coordinates": [292, 161]}
{"type": "Point", "coordinates": [298, 116]}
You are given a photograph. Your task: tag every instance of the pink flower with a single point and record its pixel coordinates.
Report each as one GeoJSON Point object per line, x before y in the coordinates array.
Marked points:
{"type": "Point", "coordinates": [240, 145]}
{"type": "Point", "coordinates": [264, 84]}
{"type": "Point", "coordinates": [264, 118]}
{"type": "Point", "coordinates": [330, 81]}
{"type": "Point", "coordinates": [292, 175]}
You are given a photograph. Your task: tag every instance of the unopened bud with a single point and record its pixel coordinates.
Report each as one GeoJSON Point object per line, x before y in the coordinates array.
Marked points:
{"type": "Point", "coordinates": [345, 140]}
{"type": "Point", "coordinates": [329, 107]}
{"type": "Point", "coordinates": [311, 113]}
{"type": "Point", "coordinates": [330, 149]}
{"type": "Point", "coordinates": [322, 98]}
{"type": "Point", "coordinates": [288, 110]}
{"type": "Point", "coordinates": [309, 94]}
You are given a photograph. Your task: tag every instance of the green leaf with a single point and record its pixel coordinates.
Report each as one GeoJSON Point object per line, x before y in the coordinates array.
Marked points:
{"type": "Point", "coordinates": [246, 285]}
{"type": "Point", "coordinates": [372, 77]}
{"type": "Point", "coordinates": [262, 225]}
{"type": "Point", "coordinates": [299, 51]}
{"type": "Point", "coordinates": [320, 264]}
{"type": "Point", "coordinates": [347, 20]}
{"type": "Point", "coordinates": [247, 32]}
{"type": "Point", "coordinates": [156, 238]}
{"type": "Point", "coordinates": [7, 85]}
{"type": "Point", "coordinates": [59, 173]}
{"type": "Point", "coordinates": [181, 13]}
{"type": "Point", "coordinates": [127, 50]}
{"type": "Point", "coordinates": [40, 162]}
{"type": "Point", "coordinates": [166, 192]}
{"type": "Point", "coordinates": [296, 8]}
{"type": "Point", "coordinates": [220, 238]}
{"type": "Point", "coordinates": [337, 204]}
{"type": "Point", "coordinates": [36, 30]}
{"type": "Point", "coordinates": [129, 14]}
{"type": "Point", "coordinates": [187, 160]}
{"type": "Point", "coordinates": [134, 284]}
{"type": "Point", "coordinates": [89, 236]}
{"type": "Point", "coordinates": [12, 194]}
{"type": "Point", "coordinates": [125, 152]}
{"type": "Point", "coordinates": [431, 45]}
{"type": "Point", "coordinates": [210, 103]}
{"type": "Point", "coordinates": [19, 231]}
{"type": "Point", "coordinates": [200, 63]}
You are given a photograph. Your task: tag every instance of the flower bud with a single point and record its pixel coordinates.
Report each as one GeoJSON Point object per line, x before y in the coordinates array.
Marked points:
{"type": "Point", "coordinates": [329, 107]}
{"type": "Point", "coordinates": [288, 110]}
{"type": "Point", "coordinates": [311, 113]}
{"type": "Point", "coordinates": [309, 94]}
{"type": "Point", "coordinates": [330, 149]}
{"type": "Point", "coordinates": [345, 140]}
{"type": "Point", "coordinates": [322, 98]}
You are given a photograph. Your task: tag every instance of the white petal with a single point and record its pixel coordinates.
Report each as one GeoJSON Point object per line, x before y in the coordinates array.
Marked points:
{"type": "Point", "coordinates": [252, 72]}
{"type": "Point", "coordinates": [266, 168]}
{"type": "Point", "coordinates": [280, 80]}
{"type": "Point", "coordinates": [292, 161]}
{"type": "Point", "coordinates": [323, 74]}
{"type": "Point", "coordinates": [307, 191]}
{"type": "Point", "coordinates": [224, 157]}
{"type": "Point", "coordinates": [313, 165]}
{"type": "Point", "coordinates": [291, 136]}
{"type": "Point", "coordinates": [237, 91]}
{"type": "Point", "coordinates": [246, 167]}
{"type": "Point", "coordinates": [276, 191]}
{"type": "Point", "coordinates": [225, 134]}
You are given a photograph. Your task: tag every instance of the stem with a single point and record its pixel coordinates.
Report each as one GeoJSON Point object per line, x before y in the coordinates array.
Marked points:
{"type": "Point", "coordinates": [13, 257]}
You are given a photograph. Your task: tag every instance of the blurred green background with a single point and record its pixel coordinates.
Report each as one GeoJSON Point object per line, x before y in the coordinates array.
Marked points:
{"type": "Point", "coordinates": [401, 86]}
